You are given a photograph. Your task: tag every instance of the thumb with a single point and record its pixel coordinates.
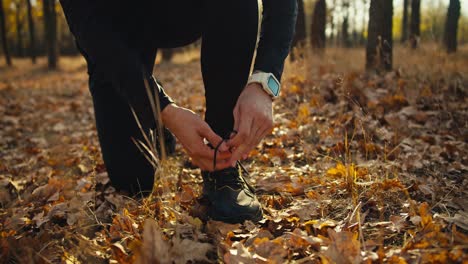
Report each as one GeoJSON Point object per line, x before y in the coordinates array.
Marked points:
{"type": "Point", "coordinates": [212, 137]}
{"type": "Point", "coordinates": [236, 114]}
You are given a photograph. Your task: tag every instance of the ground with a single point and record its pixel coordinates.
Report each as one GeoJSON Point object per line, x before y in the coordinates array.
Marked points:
{"type": "Point", "coordinates": [360, 167]}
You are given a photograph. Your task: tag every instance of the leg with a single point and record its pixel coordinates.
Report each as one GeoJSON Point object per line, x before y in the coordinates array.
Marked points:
{"type": "Point", "coordinates": [128, 169]}
{"type": "Point", "coordinates": [117, 65]}
{"type": "Point", "coordinates": [116, 74]}
{"type": "Point", "coordinates": [228, 44]}
{"type": "Point", "coordinates": [126, 166]}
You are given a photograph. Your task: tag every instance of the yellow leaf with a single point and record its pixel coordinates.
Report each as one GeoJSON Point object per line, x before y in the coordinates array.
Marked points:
{"type": "Point", "coordinates": [339, 170]}
{"type": "Point", "coordinates": [303, 111]}
{"type": "Point", "coordinates": [257, 241]}
{"type": "Point", "coordinates": [294, 89]}
{"type": "Point", "coordinates": [426, 217]}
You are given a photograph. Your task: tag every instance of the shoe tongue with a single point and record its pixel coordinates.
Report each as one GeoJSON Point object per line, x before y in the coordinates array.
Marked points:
{"type": "Point", "coordinates": [226, 174]}
{"type": "Point", "coordinates": [231, 171]}
{"type": "Point", "coordinates": [222, 175]}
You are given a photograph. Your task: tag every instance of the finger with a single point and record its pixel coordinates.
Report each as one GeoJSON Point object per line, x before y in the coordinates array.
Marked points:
{"type": "Point", "coordinates": [204, 164]}
{"type": "Point", "coordinates": [254, 138]}
{"type": "Point", "coordinates": [204, 151]}
{"type": "Point", "coordinates": [268, 131]}
{"type": "Point", "coordinates": [265, 129]}
{"type": "Point", "coordinates": [212, 137]}
{"type": "Point", "coordinates": [223, 164]}
{"type": "Point", "coordinates": [254, 141]}
{"type": "Point", "coordinates": [236, 114]}
{"type": "Point", "coordinates": [262, 135]}
{"type": "Point", "coordinates": [237, 154]}
{"type": "Point", "coordinates": [220, 156]}
{"type": "Point", "coordinates": [243, 132]}
{"type": "Point", "coordinates": [233, 134]}
{"type": "Point", "coordinates": [207, 164]}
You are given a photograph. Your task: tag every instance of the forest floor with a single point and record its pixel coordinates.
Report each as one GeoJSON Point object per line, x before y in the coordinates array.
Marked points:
{"type": "Point", "coordinates": [359, 168]}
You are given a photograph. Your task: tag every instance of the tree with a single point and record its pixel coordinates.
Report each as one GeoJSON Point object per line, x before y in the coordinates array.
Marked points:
{"type": "Point", "coordinates": [344, 33]}
{"type": "Point", "coordinates": [345, 40]}
{"type": "Point", "coordinates": [415, 25]}
{"type": "Point", "coordinates": [356, 38]}
{"type": "Point", "coordinates": [319, 21]}
{"type": "Point", "coordinates": [6, 51]}
{"type": "Point", "coordinates": [19, 30]}
{"type": "Point", "coordinates": [32, 37]}
{"type": "Point", "coordinates": [404, 23]}
{"type": "Point", "coordinates": [451, 26]}
{"type": "Point", "coordinates": [379, 54]}
{"type": "Point", "coordinates": [50, 25]}
{"type": "Point", "coordinates": [300, 34]}
{"type": "Point", "coordinates": [363, 29]}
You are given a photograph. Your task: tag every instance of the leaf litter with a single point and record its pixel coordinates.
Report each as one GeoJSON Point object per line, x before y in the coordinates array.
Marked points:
{"type": "Point", "coordinates": [359, 168]}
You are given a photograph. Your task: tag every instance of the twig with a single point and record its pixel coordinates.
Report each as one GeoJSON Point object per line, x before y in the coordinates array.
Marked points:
{"type": "Point", "coordinates": [443, 198]}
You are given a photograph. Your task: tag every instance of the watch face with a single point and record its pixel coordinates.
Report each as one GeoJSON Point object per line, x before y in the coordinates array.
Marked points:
{"type": "Point", "coordinates": [274, 86]}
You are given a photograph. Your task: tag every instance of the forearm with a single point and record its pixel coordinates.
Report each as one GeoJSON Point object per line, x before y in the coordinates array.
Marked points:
{"type": "Point", "coordinates": [169, 114]}
{"type": "Point", "coordinates": [278, 24]}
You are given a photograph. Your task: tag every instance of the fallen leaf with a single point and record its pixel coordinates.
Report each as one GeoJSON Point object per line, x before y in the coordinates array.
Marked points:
{"type": "Point", "coordinates": [344, 247]}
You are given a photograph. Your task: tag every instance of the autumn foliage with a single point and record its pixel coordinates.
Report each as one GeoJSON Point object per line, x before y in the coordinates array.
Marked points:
{"type": "Point", "coordinates": [360, 168]}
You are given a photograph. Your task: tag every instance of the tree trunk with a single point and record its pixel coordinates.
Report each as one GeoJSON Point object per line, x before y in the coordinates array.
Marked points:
{"type": "Point", "coordinates": [32, 37]}
{"type": "Point", "coordinates": [300, 34]}
{"type": "Point", "coordinates": [344, 33]}
{"type": "Point", "coordinates": [404, 23]}
{"type": "Point", "coordinates": [6, 52]}
{"type": "Point", "coordinates": [19, 31]}
{"type": "Point", "coordinates": [166, 55]}
{"type": "Point", "coordinates": [415, 23]}
{"type": "Point", "coordinates": [319, 21]}
{"type": "Point", "coordinates": [363, 30]}
{"type": "Point", "coordinates": [50, 25]}
{"type": "Point", "coordinates": [355, 39]}
{"type": "Point", "coordinates": [451, 26]}
{"type": "Point", "coordinates": [345, 39]}
{"type": "Point", "coordinates": [379, 43]}
{"type": "Point", "coordinates": [331, 39]}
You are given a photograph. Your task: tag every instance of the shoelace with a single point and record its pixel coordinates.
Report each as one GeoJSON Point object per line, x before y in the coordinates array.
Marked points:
{"type": "Point", "coordinates": [238, 163]}
{"type": "Point", "coordinates": [216, 149]}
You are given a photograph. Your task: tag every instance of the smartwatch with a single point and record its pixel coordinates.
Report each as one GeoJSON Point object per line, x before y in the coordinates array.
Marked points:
{"type": "Point", "coordinates": [268, 81]}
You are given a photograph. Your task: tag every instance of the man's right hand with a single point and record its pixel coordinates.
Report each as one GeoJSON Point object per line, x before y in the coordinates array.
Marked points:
{"type": "Point", "coordinates": [190, 130]}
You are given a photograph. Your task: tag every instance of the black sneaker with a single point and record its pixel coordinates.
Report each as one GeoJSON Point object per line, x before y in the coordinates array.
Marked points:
{"type": "Point", "coordinates": [231, 199]}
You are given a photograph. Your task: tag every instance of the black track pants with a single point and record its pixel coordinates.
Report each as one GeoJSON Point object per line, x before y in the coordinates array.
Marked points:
{"type": "Point", "coordinates": [120, 44]}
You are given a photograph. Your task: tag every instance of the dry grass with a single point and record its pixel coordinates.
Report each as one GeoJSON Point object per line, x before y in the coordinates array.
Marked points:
{"type": "Point", "coordinates": [349, 171]}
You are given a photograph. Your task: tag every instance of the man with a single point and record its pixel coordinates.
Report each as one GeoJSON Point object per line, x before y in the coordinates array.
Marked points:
{"type": "Point", "coordinates": [120, 39]}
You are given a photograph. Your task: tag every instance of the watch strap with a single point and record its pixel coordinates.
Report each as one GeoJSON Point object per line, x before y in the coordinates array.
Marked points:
{"type": "Point", "coordinates": [262, 79]}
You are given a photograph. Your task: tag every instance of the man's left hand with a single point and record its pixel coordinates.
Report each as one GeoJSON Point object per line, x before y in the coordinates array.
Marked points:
{"type": "Point", "coordinates": [253, 120]}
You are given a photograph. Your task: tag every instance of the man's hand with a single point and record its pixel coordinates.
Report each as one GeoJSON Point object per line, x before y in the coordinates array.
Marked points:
{"type": "Point", "coordinates": [190, 130]}
{"type": "Point", "coordinates": [253, 120]}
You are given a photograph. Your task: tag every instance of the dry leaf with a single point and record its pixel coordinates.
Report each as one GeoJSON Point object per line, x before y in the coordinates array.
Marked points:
{"type": "Point", "coordinates": [344, 247]}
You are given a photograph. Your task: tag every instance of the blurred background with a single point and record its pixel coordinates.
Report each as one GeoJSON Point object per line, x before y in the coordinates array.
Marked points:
{"type": "Point", "coordinates": [34, 28]}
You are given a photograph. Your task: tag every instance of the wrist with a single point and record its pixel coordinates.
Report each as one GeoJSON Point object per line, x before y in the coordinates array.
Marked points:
{"type": "Point", "coordinates": [267, 81]}
{"type": "Point", "coordinates": [168, 114]}
{"type": "Point", "coordinates": [257, 88]}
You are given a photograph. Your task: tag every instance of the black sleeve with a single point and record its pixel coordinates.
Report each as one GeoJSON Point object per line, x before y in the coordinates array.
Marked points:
{"type": "Point", "coordinates": [278, 25]}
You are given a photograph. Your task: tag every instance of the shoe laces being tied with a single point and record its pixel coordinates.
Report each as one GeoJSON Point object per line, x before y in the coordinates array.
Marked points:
{"type": "Point", "coordinates": [216, 149]}
{"type": "Point", "coordinates": [238, 163]}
